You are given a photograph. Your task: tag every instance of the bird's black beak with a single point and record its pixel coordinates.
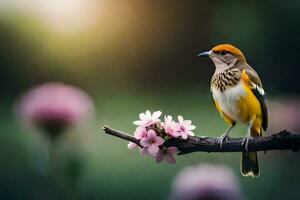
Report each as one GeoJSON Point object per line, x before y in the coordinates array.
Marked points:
{"type": "Point", "coordinates": [204, 54]}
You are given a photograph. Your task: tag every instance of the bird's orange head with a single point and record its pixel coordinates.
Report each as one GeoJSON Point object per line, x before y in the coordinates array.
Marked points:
{"type": "Point", "coordinates": [228, 48]}
{"type": "Point", "coordinates": [224, 55]}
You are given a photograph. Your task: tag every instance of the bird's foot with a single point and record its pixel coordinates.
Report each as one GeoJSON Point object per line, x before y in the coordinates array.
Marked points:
{"type": "Point", "coordinates": [221, 139]}
{"type": "Point", "coordinates": [246, 140]}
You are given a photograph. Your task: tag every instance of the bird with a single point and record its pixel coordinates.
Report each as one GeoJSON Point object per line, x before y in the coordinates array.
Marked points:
{"type": "Point", "coordinates": [238, 95]}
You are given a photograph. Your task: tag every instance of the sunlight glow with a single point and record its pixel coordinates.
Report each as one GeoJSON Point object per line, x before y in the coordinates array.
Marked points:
{"type": "Point", "coordinates": [67, 15]}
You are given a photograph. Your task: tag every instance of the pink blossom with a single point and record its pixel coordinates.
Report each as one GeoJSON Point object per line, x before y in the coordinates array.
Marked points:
{"type": "Point", "coordinates": [152, 142]}
{"type": "Point", "coordinates": [140, 132]}
{"type": "Point", "coordinates": [185, 127]}
{"type": "Point", "coordinates": [166, 154]}
{"type": "Point", "coordinates": [54, 106]}
{"type": "Point", "coordinates": [170, 127]}
{"type": "Point", "coordinates": [147, 119]}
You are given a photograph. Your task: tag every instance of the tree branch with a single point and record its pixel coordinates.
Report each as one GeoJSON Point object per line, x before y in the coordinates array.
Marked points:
{"type": "Point", "coordinates": [284, 140]}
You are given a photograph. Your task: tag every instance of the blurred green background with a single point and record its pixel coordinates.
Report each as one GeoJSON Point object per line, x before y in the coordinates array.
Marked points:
{"type": "Point", "coordinates": [131, 56]}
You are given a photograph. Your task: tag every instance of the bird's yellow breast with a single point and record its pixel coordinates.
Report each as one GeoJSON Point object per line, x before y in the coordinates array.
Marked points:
{"type": "Point", "coordinates": [238, 103]}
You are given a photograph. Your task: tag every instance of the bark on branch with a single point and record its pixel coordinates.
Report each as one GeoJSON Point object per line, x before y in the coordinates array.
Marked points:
{"type": "Point", "coordinates": [284, 140]}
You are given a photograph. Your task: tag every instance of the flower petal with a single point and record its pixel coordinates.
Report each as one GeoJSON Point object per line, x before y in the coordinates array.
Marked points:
{"type": "Point", "coordinates": [151, 134]}
{"type": "Point", "coordinates": [131, 145]}
{"type": "Point", "coordinates": [140, 132]}
{"type": "Point", "coordinates": [144, 151]}
{"type": "Point", "coordinates": [180, 119]}
{"type": "Point", "coordinates": [168, 120]}
{"type": "Point", "coordinates": [192, 127]}
{"type": "Point", "coordinates": [191, 133]}
{"type": "Point", "coordinates": [156, 115]}
{"type": "Point", "coordinates": [159, 140]}
{"type": "Point", "coordinates": [145, 142]}
{"type": "Point", "coordinates": [159, 156]}
{"type": "Point", "coordinates": [148, 114]}
{"type": "Point", "coordinates": [188, 122]}
{"type": "Point", "coordinates": [184, 136]}
{"type": "Point", "coordinates": [153, 149]}
{"type": "Point", "coordinates": [142, 116]}
{"type": "Point", "coordinates": [170, 158]}
{"type": "Point", "coordinates": [176, 134]}
{"type": "Point", "coordinates": [172, 150]}
{"type": "Point", "coordinates": [138, 123]}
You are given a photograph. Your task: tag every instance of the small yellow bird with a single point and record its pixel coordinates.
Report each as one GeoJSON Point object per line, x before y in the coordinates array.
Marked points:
{"type": "Point", "coordinates": [239, 97]}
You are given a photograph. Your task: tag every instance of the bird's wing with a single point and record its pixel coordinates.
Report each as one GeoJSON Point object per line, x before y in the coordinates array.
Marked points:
{"type": "Point", "coordinates": [257, 89]}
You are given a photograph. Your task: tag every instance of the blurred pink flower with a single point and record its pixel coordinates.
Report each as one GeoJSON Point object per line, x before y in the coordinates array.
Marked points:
{"type": "Point", "coordinates": [166, 154]}
{"type": "Point", "coordinates": [152, 142]}
{"type": "Point", "coordinates": [205, 182]}
{"type": "Point", "coordinates": [146, 119]}
{"type": "Point", "coordinates": [171, 127]}
{"type": "Point", "coordinates": [54, 106]}
{"type": "Point", "coordinates": [185, 127]}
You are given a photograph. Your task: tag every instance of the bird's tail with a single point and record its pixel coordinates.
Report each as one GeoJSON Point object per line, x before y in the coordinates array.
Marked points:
{"type": "Point", "coordinates": [249, 166]}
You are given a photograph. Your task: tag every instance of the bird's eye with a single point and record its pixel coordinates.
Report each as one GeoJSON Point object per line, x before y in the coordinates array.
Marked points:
{"type": "Point", "coordinates": [223, 52]}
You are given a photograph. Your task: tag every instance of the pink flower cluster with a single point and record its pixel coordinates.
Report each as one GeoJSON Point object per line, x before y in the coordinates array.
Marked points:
{"type": "Point", "coordinates": [152, 133]}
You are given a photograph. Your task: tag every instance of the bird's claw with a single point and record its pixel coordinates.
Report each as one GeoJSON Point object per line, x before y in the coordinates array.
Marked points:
{"type": "Point", "coordinates": [246, 140]}
{"type": "Point", "coordinates": [221, 139]}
